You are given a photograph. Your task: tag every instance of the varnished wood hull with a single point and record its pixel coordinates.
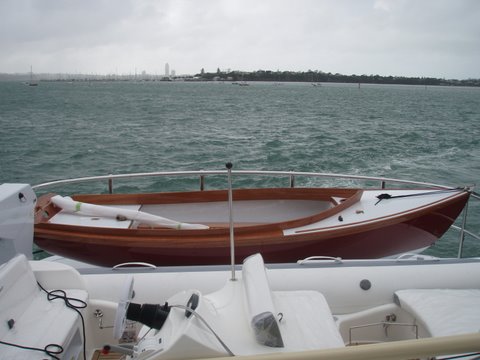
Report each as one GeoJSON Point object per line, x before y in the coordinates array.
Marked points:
{"type": "Point", "coordinates": [387, 236]}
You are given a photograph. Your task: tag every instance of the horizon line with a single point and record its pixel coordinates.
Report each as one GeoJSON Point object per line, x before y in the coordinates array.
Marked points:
{"type": "Point", "coordinates": [143, 74]}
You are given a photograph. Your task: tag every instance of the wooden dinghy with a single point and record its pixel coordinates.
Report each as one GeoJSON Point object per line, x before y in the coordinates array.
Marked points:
{"type": "Point", "coordinates": [284, 224]}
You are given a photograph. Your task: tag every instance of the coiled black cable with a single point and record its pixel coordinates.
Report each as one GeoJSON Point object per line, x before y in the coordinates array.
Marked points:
{"type": "Point", "coordinates": [51, 349]}
{"type": "Point", "coordinates": [69, 302]}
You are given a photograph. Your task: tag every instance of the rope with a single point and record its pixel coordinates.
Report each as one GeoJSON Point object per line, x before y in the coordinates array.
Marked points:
{"type": "Point", "coordinates": [388, 196]}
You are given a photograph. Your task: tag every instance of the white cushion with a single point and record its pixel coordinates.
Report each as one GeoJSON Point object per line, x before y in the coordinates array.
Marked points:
{"type": "Point", "coordinates": [443, 312]}
{"type": "Point", "coordinates": [307, 322]}
{"type": "Point", "coordinates": [259, 302]}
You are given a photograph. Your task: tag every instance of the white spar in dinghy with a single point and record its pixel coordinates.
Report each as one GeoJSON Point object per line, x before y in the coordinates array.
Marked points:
{"type": "Point", "coordinates": [75, 207]}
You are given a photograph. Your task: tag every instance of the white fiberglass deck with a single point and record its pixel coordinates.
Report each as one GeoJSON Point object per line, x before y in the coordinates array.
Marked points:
{"type": "Point", "coordinates": [370, 209]}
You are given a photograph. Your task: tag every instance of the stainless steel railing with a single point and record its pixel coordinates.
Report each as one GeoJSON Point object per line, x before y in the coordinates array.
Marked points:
{"type": "Point", "coordinates": [292, 175]}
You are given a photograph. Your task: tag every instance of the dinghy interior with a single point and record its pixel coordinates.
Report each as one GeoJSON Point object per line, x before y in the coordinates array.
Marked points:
{"type": "Point", "coordinates": [413, 307]}
{"type": "Point", "coordinates": [210, 208]}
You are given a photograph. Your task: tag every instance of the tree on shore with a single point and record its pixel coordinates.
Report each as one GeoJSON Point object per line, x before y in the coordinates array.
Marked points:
{"type": "Point", "coordinates": [320, 76]}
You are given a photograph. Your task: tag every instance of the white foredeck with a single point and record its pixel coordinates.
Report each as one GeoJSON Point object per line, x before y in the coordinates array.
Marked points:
{"type": "Point", "coordinates": [369, 209]}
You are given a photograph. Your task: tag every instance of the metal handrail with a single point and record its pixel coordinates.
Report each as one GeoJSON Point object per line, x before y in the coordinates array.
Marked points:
{"type": "Point", "coordinates": [111, 177]}
{"type": "Point", "coordinates": [134, 263]}
{"type": "Point", "coordinates": [385, 325]}
{"type": "Point", "coordinates": [203, 173]}
{"type": "Point", "coordinates": [312, 259]}
{"type": "Point", "coordinates": [469, 233]}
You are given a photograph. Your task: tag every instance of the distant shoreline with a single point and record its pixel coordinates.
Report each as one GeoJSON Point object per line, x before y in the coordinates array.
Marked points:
{"type": "Point", "coordinates": [314, 77]}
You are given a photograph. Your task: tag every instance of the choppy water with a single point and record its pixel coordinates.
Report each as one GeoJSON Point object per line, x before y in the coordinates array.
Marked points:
{"type": "Point", "coordinates": [60, 130]}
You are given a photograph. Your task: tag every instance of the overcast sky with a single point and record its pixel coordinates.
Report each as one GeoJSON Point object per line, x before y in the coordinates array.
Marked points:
{"type": "Point", "coordinates": [437, 38]}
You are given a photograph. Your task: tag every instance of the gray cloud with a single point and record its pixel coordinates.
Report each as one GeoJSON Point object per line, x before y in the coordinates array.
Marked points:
{"type": "Point", "coordinates": [439, 38]}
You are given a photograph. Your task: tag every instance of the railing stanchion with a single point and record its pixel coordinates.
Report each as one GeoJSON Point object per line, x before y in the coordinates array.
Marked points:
{"type": "Point", "coordinates": [202, 182]}
{"type": "Point", "coordinates": [230, 213]}
{"type": "Point", "coordinates": [462, 231]}
{"type": "Point", "coordinates": [292, 181]}
{"type": "Point", "coordinates": [110, 185]}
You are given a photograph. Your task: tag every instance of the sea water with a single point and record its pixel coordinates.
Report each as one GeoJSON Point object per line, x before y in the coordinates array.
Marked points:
{"type": "Point", "coordinates": [72, 129]}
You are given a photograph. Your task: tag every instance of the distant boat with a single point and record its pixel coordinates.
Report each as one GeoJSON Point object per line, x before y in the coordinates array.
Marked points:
{"type": "Point", "coordinates": [32, 82]}
{"type": "Point", "coordinates": [243, 83]}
